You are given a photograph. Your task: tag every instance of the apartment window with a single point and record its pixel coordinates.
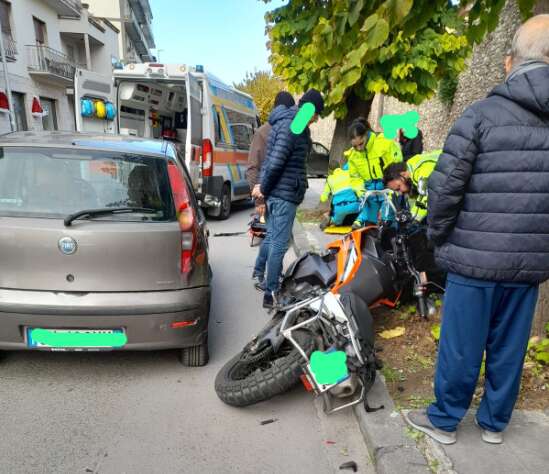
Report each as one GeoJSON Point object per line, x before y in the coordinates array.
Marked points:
{"type": "Point", "coordinates": [39, 31]}
{"type": "Point", "coordinates": [5, 12]}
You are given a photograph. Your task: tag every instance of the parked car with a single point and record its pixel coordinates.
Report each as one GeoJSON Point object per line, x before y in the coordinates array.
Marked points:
{"type": "Point", "coordinates": [102, 246]}
{"type": "Point", "coordinates": [317, 161]}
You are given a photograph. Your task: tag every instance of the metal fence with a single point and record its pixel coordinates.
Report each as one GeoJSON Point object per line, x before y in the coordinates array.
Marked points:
{"type": "Point", "coordinates": [45, 59]}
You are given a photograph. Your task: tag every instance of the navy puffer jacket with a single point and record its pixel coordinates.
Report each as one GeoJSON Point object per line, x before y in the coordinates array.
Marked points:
{"type": "Point", "coordinates": [489, 194]}
{"type": "Point", "coordinates": [283, 171]}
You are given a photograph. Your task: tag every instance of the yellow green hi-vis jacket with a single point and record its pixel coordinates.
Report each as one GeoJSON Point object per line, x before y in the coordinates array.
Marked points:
{"type": "Point", "coordinates": [420, 168]}
{"type": "Point", "coordinates": [369, 163]}
{"type": "Point", "coordinates": [340, 180]}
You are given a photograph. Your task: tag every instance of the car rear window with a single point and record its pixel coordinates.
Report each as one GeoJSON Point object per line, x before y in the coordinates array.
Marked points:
{"type": "Point", "coordinates": [53, 183]}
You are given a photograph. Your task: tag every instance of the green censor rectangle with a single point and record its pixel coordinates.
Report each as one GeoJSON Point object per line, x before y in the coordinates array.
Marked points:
{"type": "Point", "coordinates": [76, 338]}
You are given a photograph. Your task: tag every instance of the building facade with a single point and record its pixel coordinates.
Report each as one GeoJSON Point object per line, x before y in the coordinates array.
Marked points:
{"type": "Point", "coordinates": [45, 41]}
{"type": "Point", "coordinates": [134, 20]}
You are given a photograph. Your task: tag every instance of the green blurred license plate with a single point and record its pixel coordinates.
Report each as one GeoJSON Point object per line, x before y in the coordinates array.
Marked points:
{"type": "Point", "coordinates": [76, 338]}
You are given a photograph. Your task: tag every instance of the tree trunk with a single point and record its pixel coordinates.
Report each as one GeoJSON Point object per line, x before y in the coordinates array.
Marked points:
{"type": "Point", "coordinates": [542, 310]}
{"type": "Point", "coordinates": [356, 107]}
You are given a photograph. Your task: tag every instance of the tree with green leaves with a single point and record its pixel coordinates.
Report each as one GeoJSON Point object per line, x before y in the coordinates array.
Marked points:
{"type": "Point", "coordinates": [352, 49]}
{"type": "Point", "coordinates": [263, 87]}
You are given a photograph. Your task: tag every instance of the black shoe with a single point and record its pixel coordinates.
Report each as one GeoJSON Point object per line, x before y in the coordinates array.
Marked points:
{"type": "Point", "coordinates": [259, 282]}
{"type": "Point", "coordinates": [324, 223]}
{"type": "Point", "coordinates": [268, 300]}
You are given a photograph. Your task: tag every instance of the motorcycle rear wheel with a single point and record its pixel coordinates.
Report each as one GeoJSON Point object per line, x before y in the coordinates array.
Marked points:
{"type": "Point", "coordinates": [270, 374]}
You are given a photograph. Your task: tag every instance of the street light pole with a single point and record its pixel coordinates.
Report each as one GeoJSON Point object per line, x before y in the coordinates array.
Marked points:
{"type": "Point", "coordinates": [7, 79]}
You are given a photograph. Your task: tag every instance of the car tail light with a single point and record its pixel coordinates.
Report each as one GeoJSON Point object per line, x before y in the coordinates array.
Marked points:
{"type": "Point", "coordinates": [207, 158]}
{"type": "Point", "coordinates": [186, 217]}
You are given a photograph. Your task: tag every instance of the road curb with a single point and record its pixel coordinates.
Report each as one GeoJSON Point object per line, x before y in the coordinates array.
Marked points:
{"type": "Point", "coordinates": [384, 431]}
{"type": "Point", "coordinates": [300, 242]}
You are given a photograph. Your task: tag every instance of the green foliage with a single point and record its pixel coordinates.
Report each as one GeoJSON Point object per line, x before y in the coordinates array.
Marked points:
{"type": "Point", "coordinates": [447, 90]}
{"type": "Point", "coordinates": [365, 47]}
{"type": "Point", "coordinates": [435, 332]}
{"type": "Point", "coordinates": [411, 310]}
{"type": "Point", "coordinates": [413, 434]}
{"type": "Point", "coordinates": [393, 375]}
{"type": "Point", "coordinates": [538, 348]}
{"type": "Point", "coordinates": [417, 401]}
{"type": "Point", "coordinates": [263, 87]}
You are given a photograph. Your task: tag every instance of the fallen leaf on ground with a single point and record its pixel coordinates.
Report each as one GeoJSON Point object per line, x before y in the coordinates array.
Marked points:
{"type": "Point", "coordinates": [392, 333]}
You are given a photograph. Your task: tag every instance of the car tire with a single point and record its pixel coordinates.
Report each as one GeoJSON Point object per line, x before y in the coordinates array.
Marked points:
{"type": "Point", "coordinates": [225, 210]}
{"type": "Point", "coordinates": [195, 356]}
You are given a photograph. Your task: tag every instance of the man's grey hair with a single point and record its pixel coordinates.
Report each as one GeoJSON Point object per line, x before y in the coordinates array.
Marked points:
{"type": "Point", "coordinates": [531, 41]}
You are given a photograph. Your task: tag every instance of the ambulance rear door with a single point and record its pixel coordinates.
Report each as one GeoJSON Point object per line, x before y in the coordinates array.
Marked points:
{"type": "Point", "coordinates": [193, 145]}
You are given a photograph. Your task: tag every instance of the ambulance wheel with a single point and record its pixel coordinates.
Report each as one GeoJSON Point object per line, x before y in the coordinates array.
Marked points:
{"type": "Point", "coordinates": [225, 210]}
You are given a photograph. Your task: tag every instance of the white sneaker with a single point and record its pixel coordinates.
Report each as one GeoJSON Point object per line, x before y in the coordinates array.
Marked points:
{"type": "Point", "coordinates": [419, 420]}
{"type": "Point", "coordinates": [491, 437]}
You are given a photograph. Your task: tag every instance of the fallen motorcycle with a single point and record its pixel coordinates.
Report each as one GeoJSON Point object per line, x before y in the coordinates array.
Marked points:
{"type": "Point", "coordinates": [325, 303]}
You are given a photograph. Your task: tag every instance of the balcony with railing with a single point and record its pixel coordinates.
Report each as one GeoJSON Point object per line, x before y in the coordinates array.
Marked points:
{"type": "Point", "coordinates": [135, 32]}
{"type": "Point", "coordinates": [142, 10]}
{"type": "Point", "coordinates": [50, 64]}
{"type": "Point", "coordinates": [66, 7]}
{"type": "Point", "coordinates": [10, 47]}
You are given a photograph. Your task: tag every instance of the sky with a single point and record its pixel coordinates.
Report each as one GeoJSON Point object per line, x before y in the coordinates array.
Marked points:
{"type": "Point", "coordinates": [227, 37]}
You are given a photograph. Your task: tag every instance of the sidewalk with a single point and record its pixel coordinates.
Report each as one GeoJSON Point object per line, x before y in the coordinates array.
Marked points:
{"type": "Point", "coordinates": [396, 449]}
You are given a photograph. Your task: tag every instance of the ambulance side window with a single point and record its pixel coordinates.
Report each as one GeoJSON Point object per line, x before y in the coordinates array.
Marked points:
{"type": "Point", "coordinates": [217, 126]}
{"type": "Point", "coordinates": [241, 126]}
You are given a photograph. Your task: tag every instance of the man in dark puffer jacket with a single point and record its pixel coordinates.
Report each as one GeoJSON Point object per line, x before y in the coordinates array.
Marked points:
{"type": "Point", "coordinates": [489, 218]}
{"type": "Point", "coordinates": [283, 184]}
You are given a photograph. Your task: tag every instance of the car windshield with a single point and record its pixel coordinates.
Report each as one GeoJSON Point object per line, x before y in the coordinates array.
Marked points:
{"type": "Point", "coordinates": [53, 183]}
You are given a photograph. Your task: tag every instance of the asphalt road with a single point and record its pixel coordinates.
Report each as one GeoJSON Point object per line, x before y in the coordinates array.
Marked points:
{"type": "Point", "coordinates": [144, 413]}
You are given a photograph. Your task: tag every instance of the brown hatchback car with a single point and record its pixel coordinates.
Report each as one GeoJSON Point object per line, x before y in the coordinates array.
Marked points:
{"type": "Point", "coordinates": [102, 246]}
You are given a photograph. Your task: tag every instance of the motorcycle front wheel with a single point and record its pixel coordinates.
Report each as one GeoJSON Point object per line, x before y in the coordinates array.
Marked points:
{"type": "Point", "coordinates": [247, 379]}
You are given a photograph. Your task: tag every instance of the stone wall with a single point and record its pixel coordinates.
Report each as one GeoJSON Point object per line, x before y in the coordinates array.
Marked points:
{"type": "Point", "coordinates": [323, 131]}
{"type": "Point", "coordinates": [484, 72]}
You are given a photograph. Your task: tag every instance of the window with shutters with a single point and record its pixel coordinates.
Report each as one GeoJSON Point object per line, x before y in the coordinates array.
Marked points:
{"type": "Point", "coordinates": [5, 15]}
{"type": "Point", "coordinates": [39, 31]}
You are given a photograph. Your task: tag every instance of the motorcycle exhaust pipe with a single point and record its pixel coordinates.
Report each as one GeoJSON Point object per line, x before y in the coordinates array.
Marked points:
{"type": "Point", "coordinates": [346, 388]}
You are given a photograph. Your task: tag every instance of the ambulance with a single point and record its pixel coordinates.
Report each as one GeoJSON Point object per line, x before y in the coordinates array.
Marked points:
{"type": "Point", "coordinates": [210, 122]}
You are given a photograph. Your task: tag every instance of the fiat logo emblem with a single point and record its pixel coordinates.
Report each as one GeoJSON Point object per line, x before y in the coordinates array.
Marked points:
{"type": "Point", "coordinates": [67, 245]}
